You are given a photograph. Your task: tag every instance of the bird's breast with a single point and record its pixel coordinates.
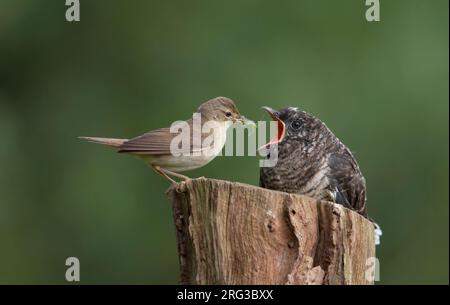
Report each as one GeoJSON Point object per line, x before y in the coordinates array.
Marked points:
{"type": "Point", "coordinates": [296, 175]}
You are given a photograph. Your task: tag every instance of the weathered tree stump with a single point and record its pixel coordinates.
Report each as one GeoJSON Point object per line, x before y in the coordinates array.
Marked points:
{"type": "Point", "coordinates": [233, 233]}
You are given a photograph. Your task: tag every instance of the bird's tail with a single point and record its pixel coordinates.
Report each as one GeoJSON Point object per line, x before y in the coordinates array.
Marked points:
{"type": "Point", "coordinates": [378, 233]}
{"type": "Point", "coordinates": [105, 141]}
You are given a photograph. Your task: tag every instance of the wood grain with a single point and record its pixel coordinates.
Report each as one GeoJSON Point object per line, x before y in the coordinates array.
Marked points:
{"type": "Point", "coordinates": [233, 233]}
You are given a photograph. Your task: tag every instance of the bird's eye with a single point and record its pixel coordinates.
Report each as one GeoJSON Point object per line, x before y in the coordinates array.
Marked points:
{"type": "Point", "coordinates": [296, 124]}
{"type": "Point", "coordinates": [228, 114]}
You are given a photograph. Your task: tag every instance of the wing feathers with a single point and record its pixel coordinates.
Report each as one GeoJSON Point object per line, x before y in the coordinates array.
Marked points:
{"type": "Point", "coordinates": [347, 182]}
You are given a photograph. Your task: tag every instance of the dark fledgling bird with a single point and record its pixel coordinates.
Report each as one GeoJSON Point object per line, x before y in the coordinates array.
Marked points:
{"type": "Point", "coordinates": [154, 147]}
{"type": "Point", "coordinates": [313, 162]}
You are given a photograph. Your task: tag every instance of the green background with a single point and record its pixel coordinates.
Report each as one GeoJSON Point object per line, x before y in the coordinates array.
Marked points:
{"type": "Point", "coordinates": [132, 66]}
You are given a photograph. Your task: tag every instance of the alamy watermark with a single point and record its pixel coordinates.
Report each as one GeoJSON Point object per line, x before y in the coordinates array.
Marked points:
{"type": "Point", "coordinates": [73, 272]}
{"type": "Point", "coordinates": [372, 273]}
{"type": "Point", "coordinates": [213, 138]}
{"type": "Point", "coordinates": [373, 10]}
{"type": "Point", "coordinates": [73, 12]}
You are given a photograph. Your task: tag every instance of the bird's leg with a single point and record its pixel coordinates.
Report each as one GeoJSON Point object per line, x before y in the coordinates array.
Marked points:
{"type": "Point", "coordinates": [159, 171]}
{"type": "Point", "coordinates": [168, 172]}
{"type": "Point", "coordinates": [179, 187]}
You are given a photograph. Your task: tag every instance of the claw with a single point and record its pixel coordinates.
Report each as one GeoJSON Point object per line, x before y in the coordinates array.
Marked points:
{"type": "Point", "coordinates": [181, 187]}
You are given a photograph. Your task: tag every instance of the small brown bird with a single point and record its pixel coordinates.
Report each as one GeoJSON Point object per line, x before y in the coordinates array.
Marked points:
{"type": "Point", "coordinates": [155, 148]}
{"type": "Point", "coordinates": [313, 162]}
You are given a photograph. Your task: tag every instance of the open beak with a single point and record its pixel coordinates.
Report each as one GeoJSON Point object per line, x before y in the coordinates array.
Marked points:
{"type": "Point", "coordinates": [281, 127]}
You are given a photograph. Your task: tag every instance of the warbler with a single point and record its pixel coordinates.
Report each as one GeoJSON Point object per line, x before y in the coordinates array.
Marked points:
{"type": "Point", "coordinates": [158, 147]}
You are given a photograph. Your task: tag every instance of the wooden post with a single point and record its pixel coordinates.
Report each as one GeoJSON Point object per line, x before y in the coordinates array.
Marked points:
{"type": "Point", "coordinates": [233, 233]}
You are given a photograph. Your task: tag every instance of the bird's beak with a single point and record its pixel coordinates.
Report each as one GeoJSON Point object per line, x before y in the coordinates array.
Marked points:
{"type": "Point", "coordinates": [272, 112]}
{"type": "Point", "coordinates": [246, 122]}
{"type": "Point", "coordinates": [281, 127]}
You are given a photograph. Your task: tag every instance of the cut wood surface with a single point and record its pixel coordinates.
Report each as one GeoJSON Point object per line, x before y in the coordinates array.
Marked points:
{"type": "Point", "coordinates": [233, 233]}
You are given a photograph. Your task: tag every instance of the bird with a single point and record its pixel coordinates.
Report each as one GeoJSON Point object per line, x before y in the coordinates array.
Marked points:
{"type": "Point", "coordinates": [312, 161]}
{"type": "Point", "coordinates": [160, 148]}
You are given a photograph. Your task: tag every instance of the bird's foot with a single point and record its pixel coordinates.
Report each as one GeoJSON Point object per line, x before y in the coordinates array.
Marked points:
{"type": "Point", "coordinates": [181, 187]}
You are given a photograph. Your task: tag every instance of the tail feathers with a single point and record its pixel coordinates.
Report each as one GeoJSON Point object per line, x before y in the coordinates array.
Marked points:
{"type": "Point", "coordinates": [105, 141]}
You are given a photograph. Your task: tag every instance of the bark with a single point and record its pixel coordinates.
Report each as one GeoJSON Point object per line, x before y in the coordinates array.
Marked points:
{"type": "Point", "coordinates": [233, 233]}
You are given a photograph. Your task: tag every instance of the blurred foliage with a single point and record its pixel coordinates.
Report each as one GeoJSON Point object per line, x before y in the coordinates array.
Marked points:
{"type": "Point", "coordinates": [131, 66]}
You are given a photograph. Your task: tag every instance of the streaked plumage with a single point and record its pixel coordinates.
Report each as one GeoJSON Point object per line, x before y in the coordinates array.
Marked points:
{"type": "Point", "coordinates": [312, 161]}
